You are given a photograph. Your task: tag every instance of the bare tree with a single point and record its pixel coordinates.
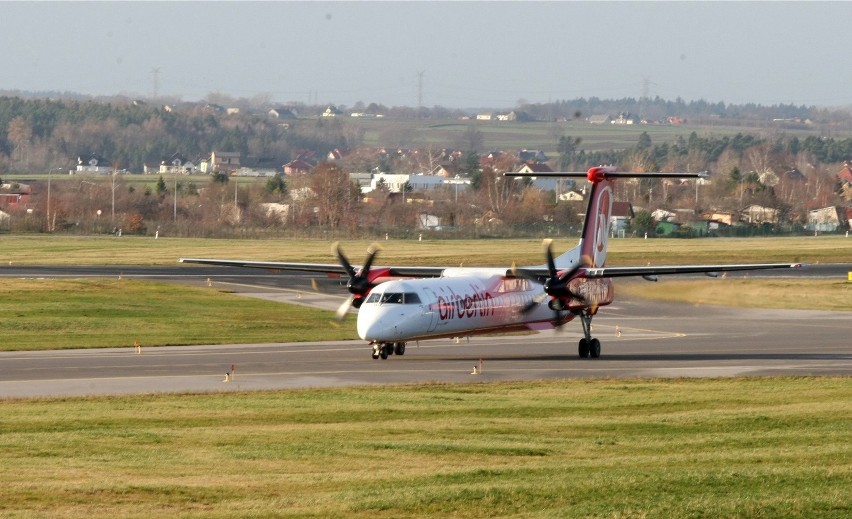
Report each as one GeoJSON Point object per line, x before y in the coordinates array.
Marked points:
{"type": "Point", "coordinates": [21, 135]}
{"type": "Point", "coordinates": [336, 197]}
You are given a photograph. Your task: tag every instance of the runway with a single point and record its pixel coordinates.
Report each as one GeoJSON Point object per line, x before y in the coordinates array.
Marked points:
{"type": "Point", "coordinates": [656, 340]}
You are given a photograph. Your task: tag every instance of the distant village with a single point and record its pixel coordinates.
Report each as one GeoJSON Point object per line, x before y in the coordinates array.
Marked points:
{"type": "Point", "coordinates": [436, 190]}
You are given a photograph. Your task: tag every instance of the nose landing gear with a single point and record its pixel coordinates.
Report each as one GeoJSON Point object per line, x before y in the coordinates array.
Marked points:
{"type": "Point", "coordinates": [386, 349]}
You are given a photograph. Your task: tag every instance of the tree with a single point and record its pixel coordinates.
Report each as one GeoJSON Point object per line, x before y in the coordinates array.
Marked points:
{"type": "Point", "coordinates": [471, 163]}
{"type": "Point", "coordinates": [275, 185]}
{"type": "Point", "coordinates": [336, 198]}
{"type": "Point", "coordinates": [20, 134]}
{"type": "Point", "coordinates": [161, 186]}
{"type": "Point", "coordinates": [567, 148]}
{"type": "Point", "coordinates": [643, 222]}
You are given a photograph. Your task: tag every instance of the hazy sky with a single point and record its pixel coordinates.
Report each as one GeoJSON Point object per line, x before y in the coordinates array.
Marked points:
{"type": "Point", "coordinates": [471, 54]}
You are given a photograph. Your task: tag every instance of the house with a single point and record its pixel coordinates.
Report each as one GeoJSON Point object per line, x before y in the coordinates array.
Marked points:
{"type": "Point", "coordinates": [92, 164]}
{"type": "Point", "coordinates": [177, 163]}
{"type": "Point", "coordinates": [281, 113]}
{"type": "Point", "coordinates": [297, 167]}
{"type": "Point", "coordinates": [403, 183]}
{"type": "Point", "coordinates": [15, 196]}
{"type": "Point", "coordinates": [535, 167]}
{"type": "Point", "coordinates": [721, 217]}
{"type": "Point", "coordinates": [428, 221]}
{"type": "Point", "coordinates": [624, 118]}
{"type": "Point", "coordinates": [620, 217]}
{"type": "Point", "coordinates": [513, 116]}
{"type": "Point", "coordinates": [484, 116]}
{"type": "Point", "coordinates": [571, 196]}
{"type": "Point", "coordinates": [599, 119]}
{"type": "Point", "coordinates": [362, 180]}
{"type": "Point", "coordinates": [335, 155]}
{"type": "Point", "coordinates": [331, 111]}
{"type": "Point", "coordinates": [759, 214]}
{"type": "Point", "coordinates": [828, 219]}
{"type": "Point", "coordinates": [224, 162]}
{"type": "Point", "coordinates": [446, 170]}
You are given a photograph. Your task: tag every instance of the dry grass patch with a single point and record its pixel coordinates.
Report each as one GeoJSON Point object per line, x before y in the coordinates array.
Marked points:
{"type": "Point", "coordinates": [810, 294]}
{"type": "Point", "coordinates": [130, 250]}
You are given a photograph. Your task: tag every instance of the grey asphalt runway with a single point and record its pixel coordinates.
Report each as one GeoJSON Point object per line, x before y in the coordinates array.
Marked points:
{"type": "Point", "coordinates": [656, 340]}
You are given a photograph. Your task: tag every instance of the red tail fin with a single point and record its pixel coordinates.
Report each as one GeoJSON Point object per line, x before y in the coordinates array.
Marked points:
{"type": "Point", "coordinates": [598, 212]}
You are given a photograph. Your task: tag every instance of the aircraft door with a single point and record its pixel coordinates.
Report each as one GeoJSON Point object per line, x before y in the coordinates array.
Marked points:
{"type": "Point", "coordinates": [430, 308]}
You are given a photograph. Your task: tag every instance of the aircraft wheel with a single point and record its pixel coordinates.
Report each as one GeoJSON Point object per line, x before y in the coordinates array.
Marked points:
{"type": "Point", "coordinates": [595, 348]}
{"type": "Point", "coordinates": [399, 348]}
{"type": "Point", "coordinates": [584, 348]}
{"type": "Point", "coordinates": [384, 351]}
{"type": "Point", "coordinates": [375, 352]}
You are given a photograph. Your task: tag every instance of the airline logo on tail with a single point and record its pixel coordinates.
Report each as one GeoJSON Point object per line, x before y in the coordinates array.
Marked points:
{"type": "Point", "coordinates": [595, 242]}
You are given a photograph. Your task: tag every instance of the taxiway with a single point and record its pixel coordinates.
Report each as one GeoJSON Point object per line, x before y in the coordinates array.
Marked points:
{"type": "Point", "coordinates": [655, 340]}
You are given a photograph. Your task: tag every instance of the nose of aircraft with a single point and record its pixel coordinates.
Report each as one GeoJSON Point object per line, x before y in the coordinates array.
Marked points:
{"type": "Point", "coordinates": [385, 323]}
{"type": "Point", "coordinates": [370, 326]}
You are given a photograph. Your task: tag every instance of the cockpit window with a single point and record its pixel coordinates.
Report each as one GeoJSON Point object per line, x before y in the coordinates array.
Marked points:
{"type": "Point", "coordinates": [394, 298]}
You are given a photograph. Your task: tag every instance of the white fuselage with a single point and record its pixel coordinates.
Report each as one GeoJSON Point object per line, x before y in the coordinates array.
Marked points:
{"type": "Point", "coordinates": [461, 302]}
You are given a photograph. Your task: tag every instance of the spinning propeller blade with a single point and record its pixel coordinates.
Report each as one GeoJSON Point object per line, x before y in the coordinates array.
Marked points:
{"type": "Point", "coordinates": [359, 284]}
{"type": "Point", "coordinates": [556, 284]}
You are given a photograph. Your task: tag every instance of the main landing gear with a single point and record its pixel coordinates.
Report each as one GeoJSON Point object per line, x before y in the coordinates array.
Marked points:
{"type": "Point", "coordinates": [386, 349]}
{"type": "Point", "coordinates": [588, 346]}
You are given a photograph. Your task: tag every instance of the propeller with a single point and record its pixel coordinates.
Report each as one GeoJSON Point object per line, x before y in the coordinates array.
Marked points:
{"type": "Point", "coordinates": [556, 284]}
{"type": "Point", "coordinates": [359, 284]}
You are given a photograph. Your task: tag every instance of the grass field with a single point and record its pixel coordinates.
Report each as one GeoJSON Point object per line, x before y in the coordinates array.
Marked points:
{"type": "Point", "coordinates": [128, 250]}
{"type": "Point", "coordinates": [90, 313]}
{"type": "Point", "coordinates": [767, 447]}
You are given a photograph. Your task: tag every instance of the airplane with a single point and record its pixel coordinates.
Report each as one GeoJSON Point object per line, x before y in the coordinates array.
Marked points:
{"type": "Point", "coordinates": [400, 304]}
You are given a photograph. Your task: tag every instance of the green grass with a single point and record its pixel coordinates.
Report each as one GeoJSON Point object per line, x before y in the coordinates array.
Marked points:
{"type": "Point", "coordinates": [764, 447]}
{"type": "Point", "coordinates": [92, 313]}
{"type": "Point", "coordinates": [129, 250]}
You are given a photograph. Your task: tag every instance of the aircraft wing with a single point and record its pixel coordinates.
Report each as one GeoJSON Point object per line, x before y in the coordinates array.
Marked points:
{"type": "Point", "coordinates": [615, 272]}
{"type": "Point", "coordinates": [325, 268]}
{"type": "Point", "coordinates": [612, 272]}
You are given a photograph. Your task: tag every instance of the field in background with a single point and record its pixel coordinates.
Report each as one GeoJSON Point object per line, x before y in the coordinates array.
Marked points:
{"type": "Point", "coordinates": [130, 250]}
{"type": "Point", "coordinates": [514, 136]}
